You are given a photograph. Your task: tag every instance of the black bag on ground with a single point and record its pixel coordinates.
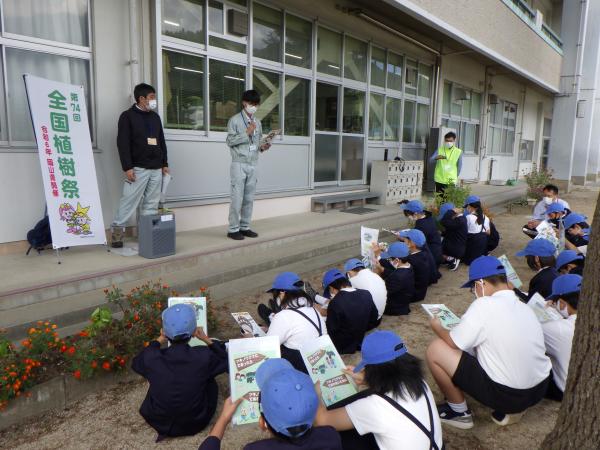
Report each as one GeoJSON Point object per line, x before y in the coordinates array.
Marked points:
{"type": "Point", "coordinates": [39, 237]}
{"type": "Point", "coordinates": [493, 238]}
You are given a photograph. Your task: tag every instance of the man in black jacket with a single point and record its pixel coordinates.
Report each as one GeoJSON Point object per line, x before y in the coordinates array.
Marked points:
{"type": "Point", "coordinates": [143, 154]}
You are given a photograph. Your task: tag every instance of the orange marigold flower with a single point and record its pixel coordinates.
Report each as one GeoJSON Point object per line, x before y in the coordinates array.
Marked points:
{"type": "Point", "coordinates": [77, 374]}
{"type": "Point", "coordinates": [71, 350]}
{"type": "Point", "coordinates": [31, 331]}
{"type": "Point", "coordinates": [94, 364]}
{"type": "Point", "coordinates": [26, 342]}
{"type": "Point", "coordinates": [54, 326]}
{"type": "Point", "coordinates": [106, 365]}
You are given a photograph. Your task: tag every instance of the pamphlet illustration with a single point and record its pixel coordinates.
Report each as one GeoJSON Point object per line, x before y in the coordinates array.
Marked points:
{"type": "Point", "coordinates": [511, 274]}
{"type": "Point", "coordinates": [367, 237]}
{"type": "Point", "coordinates": [325, 365]}
{"type": "Point", "coordinates": [544, 313]}
{"type": "Point", "coordinates": [448, 319]}
{"type": "Point", "coordinates": [245, 357]}
{"type": "Point", "coordinates": [199, 305]}
{"type": "Point", "coordinates": [77, 219]}
{"type": "Point", "coordinates": [547, 231]}
{"type": "Point", "coordinates": [248, 324]}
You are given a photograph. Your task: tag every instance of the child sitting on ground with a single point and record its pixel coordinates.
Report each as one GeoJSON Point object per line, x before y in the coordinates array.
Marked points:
{"type": "Point", "coordinates": [399, 279]}
{"type": "Point", "coordinates": [424, 221]}
{"type": "Point", "coordinates": [478, 230]}
{"type": "Point", "coordinates": [558, 334]}
{"type": "Point", "coordinates": [540, 257]}
{"type": "Point", "coordinates": [182, 396]}
{"type": "Point", "coordinates": [577, 233]}
{"type": "Point", "coordinates": [362, 278]}
{"type": "Point", "coordinates": [396, 411]}
{"type": "Point", "coordinates": [569, 261]}
{"type": "Point", "coordinates": [350, 312]}
{"type": "Point", "coordinates": [288, 406]}
{"type": "Point", "coordinates": [455, 234]}
{"type": "Point", "coordinates": [296, 320]}
{"type": "Point", "coordinates": [420, 260]}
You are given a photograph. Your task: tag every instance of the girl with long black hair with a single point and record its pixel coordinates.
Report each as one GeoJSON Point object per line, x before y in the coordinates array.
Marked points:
{"type": "Point", "coordinates": [478, 229]}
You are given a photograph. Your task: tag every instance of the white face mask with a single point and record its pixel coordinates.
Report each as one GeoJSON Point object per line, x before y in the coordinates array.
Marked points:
{"type": "Point", "coordinates": [548, 200]}
{"type": "Point", "coordinates": [449, 144]}
{"type": "Point", "coordinates": [563, 311]}
{"type": "Point", "coordinates": [480, 282]}
{"type": "Point", "coordinates": [152, 104]}
{"type": "Point", "coordinates": [251, 109]}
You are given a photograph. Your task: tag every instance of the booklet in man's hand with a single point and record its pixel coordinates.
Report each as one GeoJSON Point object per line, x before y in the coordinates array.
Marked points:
{"type": "Point", "coordinates": [325, 366]}
{"type": "Point", "coordinates": [511, 274]}
{"type": "Point", "coordinates": [199, 305]}
{"type": "Point", "coordinates": [544, 313]}
{"type": "Point", "coordinates": [248, 324]}
{"type": "Point", "coordinates": [448, 319]}
{"type": "Point", "coordinates": [245, 357]}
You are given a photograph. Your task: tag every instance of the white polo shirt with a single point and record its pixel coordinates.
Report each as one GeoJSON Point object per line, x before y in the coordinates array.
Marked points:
{"type": "Point", "coordinates": [506, 338]}
{"type": "Point", "coordinates": [369, 281]}
{"type": "Point", "coordinates": [473, 227]}
{"type": "Point", "coordinates": [293, 329]}
{"type": "Point", "coordinates": [558, 336]}
{"type": "Point", "coordinates": [392, 429]}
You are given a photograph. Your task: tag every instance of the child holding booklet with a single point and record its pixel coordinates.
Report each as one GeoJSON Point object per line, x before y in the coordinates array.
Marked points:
{"type": "Point", "coordinates": [421, 261]}
{"type": "Point", "coordinates": [396, 411]}
{"type": "Point", "coordinates": [399, 279]}
{"type": "Point", "coordinates": [569, 261]}
{"type": "Point", "coordinates": [288, 405]}
{"type": "Point", "coordinates": [182, 396]}
{"type": "Point", "coordinates": [540, 257]}
{"type": "Point", "coordinates": [424, 221]}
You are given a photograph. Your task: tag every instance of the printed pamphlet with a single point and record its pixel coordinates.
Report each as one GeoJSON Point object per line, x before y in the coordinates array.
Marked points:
{"type": "Point", "coordinates": [248, 324]}
{"type": "Point", "coordinates": [544, 313]}
{"type": "Point", "coordinates": [199, 305]}
{"type": "Point", "coordinates": [448, 319]}
{"type": "Point", "coordinates": [245, 357]}
{"type": "Point", "coordinates": [511, 274]}
{"type": "Point", "coordinates": [325, 365]}
{"type": "Point", "coordinates": [367, 237]}
{"type": "Point", "coordinates": [269, 137]}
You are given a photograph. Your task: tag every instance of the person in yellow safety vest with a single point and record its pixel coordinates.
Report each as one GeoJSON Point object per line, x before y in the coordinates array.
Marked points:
{"type": "Point", "coordinates": [448, 163]}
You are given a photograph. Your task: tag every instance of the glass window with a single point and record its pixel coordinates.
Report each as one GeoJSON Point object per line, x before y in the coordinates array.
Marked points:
{"type": "Point", "coordinates": [392, 119]}
{"type": "Point", "coordinates": [183, 19]}
{"type": "Point", "coordinates": [226, 44]}
{"type": "Point", "coordinates": [526, 150]}
{"type": "Point", "coordinates": [496, 113]}
{"type": "Point", "coordinates": [456, 104]}
{"type": "Point", "coordinates": [422, 123]}
{"type": "Point", "coordinates": [183, 90]}
{"type": "Point", "coordinates": [53, 67]}
{"type": "Point", "coordinates": [298, 38]}
{"type": "Point", "coordinates": [411, 77]}
{"type": "Point", "coordinates": [54, 20]}
{"type": "Point", "coordinates": [495, 138]}
{"type": "Point", "coordinates": [394, 71]}
{"type": "Point", "coordinates": [297, 95]}
{"type": "Point", "coordinates": [476, 106]}
{"type": "Point", "coordinates": [425, 76]}
{"type": "Point", "coordinates": [408, 128]}
{"type": "Point", "coordinates": [355, 59]}
{"type": "Point", "coordinates": [354, 110]}
{"type": "Point", "coordinates": [215, 17]}
{"type": "Point", "coordinates": [376, 117]}
{"type": "Point", "coordinates": [329, 52]}
{"type": "Point", "coordinates": [512, 115]}
{"type": "Point", "coordinates": [469, 138]}
{"type": "Point", "coordinates": [268, 86]}
{"type": "Point", "coordinates": [378, 66]}
{"type": "Point", "coordinates": [227, 82]}
{"type": "Point", "coordinates": [326, 110]}
{"type": "Point", "coordinates": [238, 2]}
{"type": "Point", "coordinates": [353, 148]}
{"type": "Point", "coordinates": [446, 98]}
{"type": "Point", "coordinates": [509, 142]}
{"type": "Point", "coordinates": [326, 157]}
{"type": "Point", "coordinates": [267, 33]}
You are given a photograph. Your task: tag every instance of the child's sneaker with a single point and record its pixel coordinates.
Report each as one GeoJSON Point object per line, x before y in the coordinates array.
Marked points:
{"type": "Point", "coordinates": [506, 419]}
{"type": "Point", "coordinates": [463, 420]}
{"type": "Point", "coordinates": [454, 265]}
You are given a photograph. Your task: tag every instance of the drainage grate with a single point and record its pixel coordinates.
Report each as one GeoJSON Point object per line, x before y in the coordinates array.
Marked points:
{"type": "Point", "coordinates": [358, 210]}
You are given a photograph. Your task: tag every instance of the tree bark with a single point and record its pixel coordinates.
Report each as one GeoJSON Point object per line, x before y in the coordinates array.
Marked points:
{"type": "Point", "coordinates": [578, 423]}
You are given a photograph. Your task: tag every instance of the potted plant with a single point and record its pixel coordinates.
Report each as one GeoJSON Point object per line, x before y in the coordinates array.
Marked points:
{"type": "Point", "coordinates": [536, 180]}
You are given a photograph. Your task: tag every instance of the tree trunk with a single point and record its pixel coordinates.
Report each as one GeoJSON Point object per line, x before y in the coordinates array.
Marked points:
{"type": "Point", "coordinates": [578, 423]}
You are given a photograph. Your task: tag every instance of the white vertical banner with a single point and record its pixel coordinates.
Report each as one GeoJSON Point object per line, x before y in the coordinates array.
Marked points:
{"type": "Point", "coordinates": [62, 132]}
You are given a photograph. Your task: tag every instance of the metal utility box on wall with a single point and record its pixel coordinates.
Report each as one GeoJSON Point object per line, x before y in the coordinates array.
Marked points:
{"type": "Point", "coordinates": [436, 140]}
{"type": "Point", "coordinates": [396, 180]}
{"type": "Point", "coordinates": [156, 235]}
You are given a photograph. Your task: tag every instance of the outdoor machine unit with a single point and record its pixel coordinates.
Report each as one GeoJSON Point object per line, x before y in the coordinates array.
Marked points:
{"type": "Point", "coordinates": [156, 235]}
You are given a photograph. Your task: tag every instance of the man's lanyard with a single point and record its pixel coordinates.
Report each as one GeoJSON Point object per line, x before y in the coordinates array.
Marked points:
{"type": "Point", "coordinates": [246, 124]}
{"type": "Point", "coordinates": [451, 152]}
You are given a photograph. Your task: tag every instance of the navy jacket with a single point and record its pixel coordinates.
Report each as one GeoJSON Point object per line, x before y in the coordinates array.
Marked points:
{"type": "Point", "coordinates": [400, 285]}
{"type": "Point", "coordinates": [319, 438]}
{"type": "Point", "coordinates": [542, 282]}
{"type": "Point", "coordinates": [182, 396]}
{"type": "Point", "coordinates": [349, 316]}
{"type": "Point", "coordinates": [455, 234]}
{"type": "Point", "coordinates": [429, 228]}
{"type": "Point", "coordinates": [421, 264]}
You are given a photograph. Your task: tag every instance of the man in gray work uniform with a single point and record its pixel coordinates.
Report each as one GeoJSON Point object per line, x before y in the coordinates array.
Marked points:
{"type": "Point", "coordinates": [244, 136]}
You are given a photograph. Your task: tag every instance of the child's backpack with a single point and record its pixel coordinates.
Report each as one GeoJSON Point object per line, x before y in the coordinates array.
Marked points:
{"type": "Point", "coordinates": [39, 237]}
{"type": "Point", "coordinates": [493, 238]}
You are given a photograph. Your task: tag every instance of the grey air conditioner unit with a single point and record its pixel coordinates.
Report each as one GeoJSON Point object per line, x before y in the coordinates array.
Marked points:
{"type": "Point", "coordinates": [493, 99]}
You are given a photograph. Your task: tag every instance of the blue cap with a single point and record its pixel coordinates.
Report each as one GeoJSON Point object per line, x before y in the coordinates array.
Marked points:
{"type": "Point", "coordinates": [285, 281]}
{"type": "Point", "coordinates": [396, 250]}
{"type": "Point", "coordinates": [330, 276]}
{"type": "Point", "coordinates": [483, 267]}
{"type": "Point", "coordinates": [567, 256]}
{"type": "Point", "coordinates": [414, 206]}
{"type": "Point", "coordinates": [555, 207]}
{"type": "Point", "coordinates": [565, 284]}
{"type": "Point", "coordinates": [572, 219]}
{"type": "Point", "coordinates": [444, 208]}
{"type": "Point", "coordinates": [414, 235]}
{"type": "Point", "coordinates": [472, 199]}
{"type": "Point", "coordinates": [538, 247]}
{"type": "Point", "coordinates": [353, 264]}
{"type": "Point", "coordinates": [179, 321]}
{"type": "Point", "coordinates": [287, 396]}
{"type": "Point", "coordinates": [380, 347]}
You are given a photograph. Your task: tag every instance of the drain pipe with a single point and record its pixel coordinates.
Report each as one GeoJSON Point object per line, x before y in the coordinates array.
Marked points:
{"type": "Point", "coordinates": [134, 44]}
{"type": "Point", "coordinates": [523, 99]}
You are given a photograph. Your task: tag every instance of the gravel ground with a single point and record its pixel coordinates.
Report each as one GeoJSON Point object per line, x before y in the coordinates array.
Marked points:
{"type": "Point", "coordinates": [110, 420]}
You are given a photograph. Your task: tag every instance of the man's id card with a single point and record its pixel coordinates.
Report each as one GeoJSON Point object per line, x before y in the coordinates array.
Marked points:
{"type": "Point", "coordinates": [152, 141]}
{"type": "Point", "coordinates": [253, 148]}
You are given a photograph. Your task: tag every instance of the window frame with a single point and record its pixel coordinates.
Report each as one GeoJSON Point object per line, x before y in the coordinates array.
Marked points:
{"type": "Point", "coordinates": [503, 129]}
{"type": "Point", "coordinates": [462, 119]}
